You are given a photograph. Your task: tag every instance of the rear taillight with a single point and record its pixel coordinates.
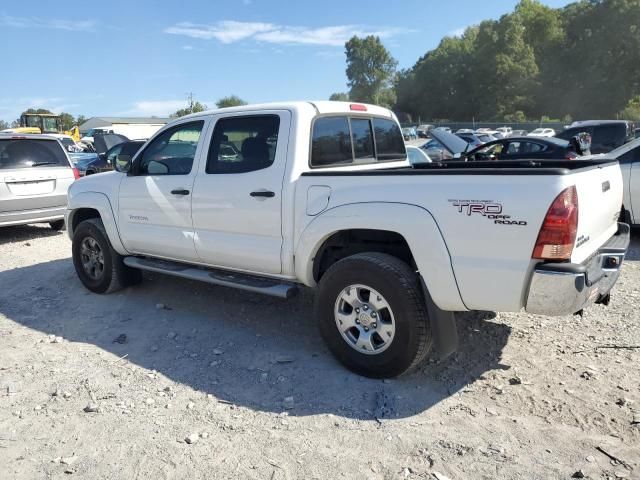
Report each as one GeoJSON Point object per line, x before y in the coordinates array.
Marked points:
{"type": "Point", "coordinates": [558, 233]}
{"type": "Point", "coordinates": [76, 173]}
{"type": "Point", "coordinates": [358, 107]}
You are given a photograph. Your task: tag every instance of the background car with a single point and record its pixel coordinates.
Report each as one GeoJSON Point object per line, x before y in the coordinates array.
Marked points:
{"type": "Point", "coordinates": [463, 130]}
{"type": "Point", "coordinates": [606, 135]}
{"type": "Point", "coordinates": [445, 146]}
{"type": "Point", "coordinates": [519, 133]}
{"type": "Point", "coordinates": [106, 161]}
{"type": "Point", "coordinates": [475, 140]}
{"type": "Point", "coordinates": [102, 144]}
{"type": "Point", "coordinates": [416, 155]}
{"type": "Point", "coordinates": [505, 131]}
{"type": "Point", "coordinates": [637, 132]}
{"type": "Point", "coordinates": [409, 133]}
{"type": "Point", "coordinates": [35, 173]}
{"type": "Point", "coordinates": [423, 130]}
{"type": "Point", "coordinates": [443, 129]}
{"type": "Point", "coordinates": [542, 132]}
{"type": "Point", "coordinates": [525, 148]}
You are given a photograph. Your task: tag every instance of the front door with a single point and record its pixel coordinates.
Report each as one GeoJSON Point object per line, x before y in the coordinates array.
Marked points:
{"type": "Point", "coordinates": [155, 198]}
{"type": "Point", "coordinates": [237, 197]}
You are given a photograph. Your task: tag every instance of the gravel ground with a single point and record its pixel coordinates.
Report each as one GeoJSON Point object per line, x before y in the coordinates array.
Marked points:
{"type": "Point", "coordinates": [175, 379]}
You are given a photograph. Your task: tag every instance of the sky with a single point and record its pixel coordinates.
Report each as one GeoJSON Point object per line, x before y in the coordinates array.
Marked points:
{"type": "Point", "coordinates": [144, 57]}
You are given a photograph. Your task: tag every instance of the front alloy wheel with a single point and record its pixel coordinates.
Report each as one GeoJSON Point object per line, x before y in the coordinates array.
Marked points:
{"type": "Point", "coordinates": [92, 258]}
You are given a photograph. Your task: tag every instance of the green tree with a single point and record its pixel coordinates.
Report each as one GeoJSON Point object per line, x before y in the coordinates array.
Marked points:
{"type": "Point", "coordinates": [339, 97]}
{"type": "Point", "coordinates": [67, 121]}
{"type": "Point", "coordinates": [230, 101]}
{"type": "Point", "coordinates": [370, 70]}
{"type": "Point", "coordinates": [32, 110]}
{"type": "Point", "coordinates": [80, 119]}
{"type": "Point", "coordinates": [4, 125]}
{"type": "Point", "coordinates": [193, 106]}
{"type": "Point", "coordinates": [632, 110]}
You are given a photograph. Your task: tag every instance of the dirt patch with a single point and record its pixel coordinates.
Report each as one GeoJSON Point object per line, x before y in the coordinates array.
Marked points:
{"type": "Point", "coordinates": [176, 379]}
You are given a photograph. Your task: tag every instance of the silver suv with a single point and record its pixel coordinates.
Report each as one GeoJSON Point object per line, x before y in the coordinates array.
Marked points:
{"type": "Point", "coordinates": [35, 174]}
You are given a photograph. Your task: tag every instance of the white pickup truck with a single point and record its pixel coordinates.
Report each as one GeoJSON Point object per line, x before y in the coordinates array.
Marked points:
{"type": "Point", "coordinates": [270, 197]}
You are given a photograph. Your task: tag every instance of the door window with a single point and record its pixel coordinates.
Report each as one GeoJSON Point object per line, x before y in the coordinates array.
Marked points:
{"type": "Point", "coordinates": [632, 156]}
{"type": "Point", "coordinates": [172, 152]}
{"type": "Point", "coordinates": [243, 144]}
{"type": "Point", "coordinates": [113, 153]}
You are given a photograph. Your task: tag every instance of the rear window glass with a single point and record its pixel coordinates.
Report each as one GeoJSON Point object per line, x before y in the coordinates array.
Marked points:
{"type": "Point", "coordinates": [344, 140]}
{"type": "Point", "coordinates": [331, 144]}
{"type": "Point", "coordinates": [31, 153]}
{"type": "Point", "coordinates": [389, 141]}
{"type": "Point", "coordinates": [362, 138]}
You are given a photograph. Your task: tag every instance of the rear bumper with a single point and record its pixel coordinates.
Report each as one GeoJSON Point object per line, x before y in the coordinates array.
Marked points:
{"type": "Point", "coordinates": [24, 217]}
{"type": "Point", "coordinates": [567, 288]}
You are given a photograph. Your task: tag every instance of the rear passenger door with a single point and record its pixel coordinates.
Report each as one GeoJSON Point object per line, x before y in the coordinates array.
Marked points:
{"type": "Point", "coordinates": [630, 162]}
{"type": "Point", "coordinates": [237, 195]}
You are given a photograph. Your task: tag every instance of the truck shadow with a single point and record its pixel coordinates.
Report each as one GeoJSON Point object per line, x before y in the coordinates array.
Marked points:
{"type": "Point", "coordinates": [24, 233]}
{"type": "Point", "coordinates": [633, 253]}
{"type": "Point", "coordinates": [246, 349]}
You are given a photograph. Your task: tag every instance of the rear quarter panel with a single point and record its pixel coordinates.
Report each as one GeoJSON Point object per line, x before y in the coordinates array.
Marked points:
{"type": "Point", "coordinates": [491, 261]}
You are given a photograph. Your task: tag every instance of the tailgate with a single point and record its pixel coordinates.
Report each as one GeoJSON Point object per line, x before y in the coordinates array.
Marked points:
{"type": "Point", "coordinates": [599, 203]}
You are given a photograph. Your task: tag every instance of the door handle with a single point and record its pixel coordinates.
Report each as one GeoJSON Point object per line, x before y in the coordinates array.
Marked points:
{"type": "Point", "coordinates": [180, 191]}
{"type": "Point", "coordinates": [263, 193]}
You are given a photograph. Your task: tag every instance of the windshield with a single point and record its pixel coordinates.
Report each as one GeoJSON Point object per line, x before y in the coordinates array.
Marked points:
{"type": "Point", "coordinates": [538, 130]}
{"type": "Point", "coordinates": [31, 153]}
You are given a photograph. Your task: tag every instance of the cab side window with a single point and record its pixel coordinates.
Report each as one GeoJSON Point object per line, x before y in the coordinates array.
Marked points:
{"type": "Point", "coordinates": [172, 152]}
{"type": "Point", "coordinates": [243, 144]}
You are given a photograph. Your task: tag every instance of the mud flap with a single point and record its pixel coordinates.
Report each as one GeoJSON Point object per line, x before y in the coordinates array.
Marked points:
{"type": "Point", "coordinates": [443, 326]}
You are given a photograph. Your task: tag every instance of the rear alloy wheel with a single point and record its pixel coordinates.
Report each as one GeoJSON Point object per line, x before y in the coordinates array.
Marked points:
{"type": "Point", "coordinates": [372, 315]}
{"type": "Point", "coordinates": [57, 225]}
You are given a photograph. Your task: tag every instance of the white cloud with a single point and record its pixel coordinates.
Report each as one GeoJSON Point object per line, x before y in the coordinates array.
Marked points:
{"type": "Point", "coordinates": [230, 31]}
{"type": "Point", "coordinates": [246, 2]}
{"type": "Point", "coordinates": [55, 23]}
{"type": "Point", "coordinates": [226, 32]}
{"type": "Point", "coordinates": [187, 47]}
{"type": "Point", "coordinates": [158, 108]}
{"type": "Point", "coordinates": [458, 32]}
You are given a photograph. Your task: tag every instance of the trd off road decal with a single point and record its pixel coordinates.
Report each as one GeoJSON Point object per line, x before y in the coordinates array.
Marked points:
{"type": "Point", "coordinates": [486, 208]}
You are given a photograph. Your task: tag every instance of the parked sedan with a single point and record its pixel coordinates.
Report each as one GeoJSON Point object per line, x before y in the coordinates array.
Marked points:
{"type": "Point", "coordinates": [423, 130]}
{"type": "Point", "coordinates": [409, 133]}
{"type": "Point", "coordinates": [475, 140]}
{"type": "Point", "coordinates": [542, 132]}
{"type": "Point", "coordinates": [106, 161]}
{"type": "Point", "coordinates": [35, 175]}
{"type": "Point", "coordinates": [519, 133]}
{"type": "Point", "coordinates": [526, 148]}
{"type": "Point", "coordinates": [416, 155]}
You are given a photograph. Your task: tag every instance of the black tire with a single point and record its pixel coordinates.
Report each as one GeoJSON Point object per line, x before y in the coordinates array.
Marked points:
{"type": "Point", "coordinates": [89, 172]}
{"type": "Point", "coordinates": [115, 274]}
{"type": "Point", "coordinates": [400, 287]}
{"type": "Point", "coordinates": [57, 225]}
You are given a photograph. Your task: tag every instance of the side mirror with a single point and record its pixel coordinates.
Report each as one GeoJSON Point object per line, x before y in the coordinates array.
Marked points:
{"type": "Point", "coordinates": [102, 155]}
{"type": "Point", "coordinates": [123, 163]}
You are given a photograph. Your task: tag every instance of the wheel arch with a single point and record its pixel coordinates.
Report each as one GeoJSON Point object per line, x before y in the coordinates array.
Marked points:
{"type": "Point", "coordinates": [407, 224]}
{"type": "Point", "coordinates": [85, 205]}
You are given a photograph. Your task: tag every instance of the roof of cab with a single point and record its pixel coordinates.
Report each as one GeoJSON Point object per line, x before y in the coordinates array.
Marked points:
{"type": "Point", "coordinates": [320, 107]}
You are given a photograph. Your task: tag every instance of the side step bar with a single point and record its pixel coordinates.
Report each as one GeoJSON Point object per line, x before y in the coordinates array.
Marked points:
{"type": "Point", "coordinates": [224, 278]}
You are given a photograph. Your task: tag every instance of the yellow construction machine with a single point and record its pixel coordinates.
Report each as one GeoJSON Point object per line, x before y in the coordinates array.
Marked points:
{"type": "Point", "coordinates": [44, 123]}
